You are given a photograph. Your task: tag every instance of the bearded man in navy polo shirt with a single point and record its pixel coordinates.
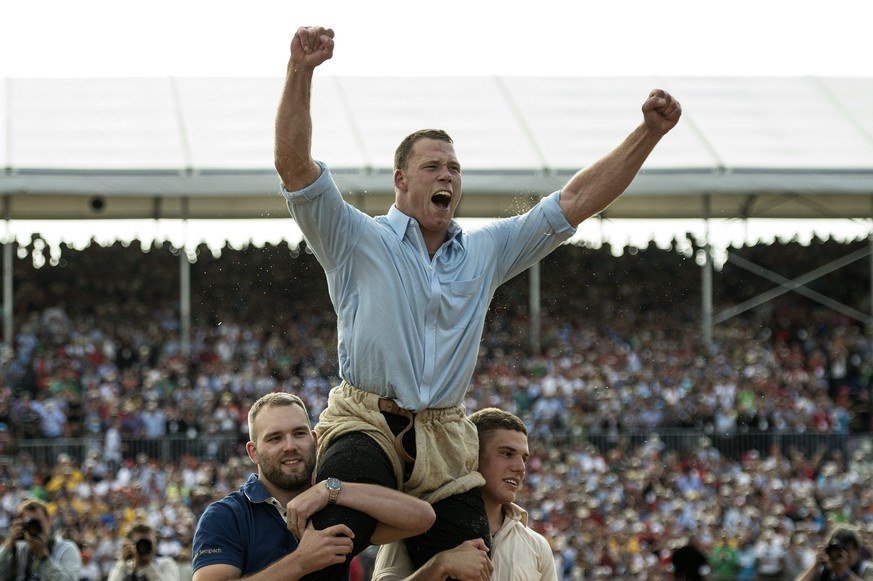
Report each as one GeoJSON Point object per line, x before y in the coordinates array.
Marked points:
{"type": "Point", "coordinates": [263, 531]}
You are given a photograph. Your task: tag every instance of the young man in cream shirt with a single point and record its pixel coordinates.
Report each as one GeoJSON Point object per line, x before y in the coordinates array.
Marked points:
{"type": "Point", "coordinates": [519, 553]}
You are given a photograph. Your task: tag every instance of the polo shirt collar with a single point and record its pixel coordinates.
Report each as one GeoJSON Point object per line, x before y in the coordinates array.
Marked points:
{"type": "Point", "coordinates": [255, 491]}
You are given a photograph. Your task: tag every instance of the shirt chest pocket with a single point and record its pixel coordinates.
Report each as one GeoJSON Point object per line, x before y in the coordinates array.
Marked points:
{"type": "Point", "coordinates": [460, 303]}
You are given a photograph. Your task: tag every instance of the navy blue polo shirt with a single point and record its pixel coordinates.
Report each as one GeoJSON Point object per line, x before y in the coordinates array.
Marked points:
{"type": "Point", "coordinates": [244, 529]}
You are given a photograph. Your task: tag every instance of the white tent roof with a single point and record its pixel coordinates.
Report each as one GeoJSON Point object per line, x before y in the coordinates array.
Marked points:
{"type": "Point", "coordinates": [202, 147]}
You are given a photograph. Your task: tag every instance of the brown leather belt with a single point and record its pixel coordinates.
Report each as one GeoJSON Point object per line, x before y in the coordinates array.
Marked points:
{"type": "Point", "coordinates": [390, 407]}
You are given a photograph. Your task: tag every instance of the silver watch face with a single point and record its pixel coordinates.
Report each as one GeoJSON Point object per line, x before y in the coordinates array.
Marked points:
{"type": "Point", "coordinates": [334, 483]}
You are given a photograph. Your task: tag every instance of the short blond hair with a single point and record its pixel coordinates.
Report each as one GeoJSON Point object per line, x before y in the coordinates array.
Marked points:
{"type": "Point", "coordinates": [275, 399]}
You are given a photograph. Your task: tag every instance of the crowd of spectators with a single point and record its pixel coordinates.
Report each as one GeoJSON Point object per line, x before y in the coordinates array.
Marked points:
{"type": "Point", "coordinates": [98, 359]}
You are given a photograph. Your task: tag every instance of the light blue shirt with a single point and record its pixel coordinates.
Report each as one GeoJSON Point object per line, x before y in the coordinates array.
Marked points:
{"type": "Point", "coordinates": [409, 327]}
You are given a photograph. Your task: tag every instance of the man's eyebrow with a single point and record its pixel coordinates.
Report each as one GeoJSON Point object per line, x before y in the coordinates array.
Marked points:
{"type": "Point", "coordinates": [294, 430]}
{"type": "Point", "coordinates": [509, 448]}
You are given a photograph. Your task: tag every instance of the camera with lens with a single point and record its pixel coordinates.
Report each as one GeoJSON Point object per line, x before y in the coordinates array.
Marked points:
{"type": "Point", "coordinates": [143, 547]}
{"type": "Point", "coordinates": [835, 551]}
{"type": "Point", "coordinates": [32, 527]}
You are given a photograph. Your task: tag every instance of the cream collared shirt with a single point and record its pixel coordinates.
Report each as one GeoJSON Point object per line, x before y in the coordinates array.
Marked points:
{"type": "Point", "coordinates": [518, 553]}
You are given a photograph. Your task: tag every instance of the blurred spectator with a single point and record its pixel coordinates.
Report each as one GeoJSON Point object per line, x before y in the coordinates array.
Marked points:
{"type": "Point", "coordinates": [139, 560]}
{"type": "Point", "coordinates": [90, 568]}
{"type": "Point", "coordinates": [723, 558]}
{"type": "Point", "coordinates": [65, 476]}
{"type": "Point", "coordinates": [356, 570]}
{"type": "Point", "coordinates": [690, 562]}
{"type": "Point", "coordinates": [770, 552]}
{"type": "Point", "coordinates": [747, 559]}
{"type": "Point", "coordinates": [107, 548]}
{"type": "Point", "coordinates": [112, 442]}
{"type": "Point", "coordinates": [32, 552]}
{"type": "Point", "coordinates": [154, 420]}
{"type": "Point", "coordinates": [840, 559]}
{"type": "Point", "coordinates": [169, 545]}
{"type": "Point", "coordinates": [799, 557]}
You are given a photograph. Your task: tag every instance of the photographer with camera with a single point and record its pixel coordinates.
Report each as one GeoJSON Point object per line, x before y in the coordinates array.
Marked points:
{"type": "Point", "coordinates": [140, 561]}
{"type": "Point", "coordinates": [839, 560]}
{"type": "Point", "coordinates": [32, 553]}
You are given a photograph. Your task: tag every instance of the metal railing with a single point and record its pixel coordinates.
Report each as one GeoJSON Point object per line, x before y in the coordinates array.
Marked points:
{"type": "Point", "coordinates": [45, 452]}
{"type": "Point", "coordinates": [733, 445]}
{"type": "Point", "coordinates": [221, 447]}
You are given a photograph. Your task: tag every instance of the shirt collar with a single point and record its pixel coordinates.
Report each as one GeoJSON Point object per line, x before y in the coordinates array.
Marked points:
{"type": "Point", "coordinates": [257, 493]}
{"type": "Point", "coordinates": [515, 512]}
{"type": "Point", "coordinates": [399, 222]}
{"type": "Point", "coordinates": [511, 512]}
{"type": "Point", "coordinates": [255, 490]}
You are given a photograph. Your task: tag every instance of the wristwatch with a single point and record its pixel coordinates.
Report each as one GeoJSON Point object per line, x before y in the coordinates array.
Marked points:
{"type": "Point", "coordinates": [334, 485]}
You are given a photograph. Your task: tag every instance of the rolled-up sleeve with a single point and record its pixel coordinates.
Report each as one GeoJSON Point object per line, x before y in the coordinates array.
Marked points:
{"type": "Point", "coordinates": [551, 205]}
{"type": "Point", "coordinates": [310, 192]}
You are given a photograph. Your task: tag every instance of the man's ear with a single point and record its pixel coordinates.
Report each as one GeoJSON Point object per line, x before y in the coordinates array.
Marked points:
{"type": "Point", "coordinates": [399, 180]}
{"type": "Point", "coordinates": [252, 451]}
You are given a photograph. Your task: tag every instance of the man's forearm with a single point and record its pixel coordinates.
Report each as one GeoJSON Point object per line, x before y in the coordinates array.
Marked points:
{"type": "Point", "coordinates": [434, 570]}
{"type": "Point", "coordinates": [593, 189]}
{"type": "Point", "coordinates": [293, 139]}
{"type": "Point", "coordinates": [400, 515]}
{"type": "Point", "coordinates": [437, 568]}
{"type": "Point", "coordinates": [451, 564]}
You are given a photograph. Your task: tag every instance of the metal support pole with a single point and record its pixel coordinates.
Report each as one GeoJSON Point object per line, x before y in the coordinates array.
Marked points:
{"type": "Point", "coordinates": [706, 298]}
{"type": "Point", "coordinates": [185, 286]}
{"type": "Point", "coordinates": [535, 312]}
{"type": "Point", "coordinates": [8, 296]}
{"type": "Point", "coordinates": [185, 302]}
{"type": "Point", "coordinates": [870, 246]}
{"type": "Point", "coordinates": [706, 280]}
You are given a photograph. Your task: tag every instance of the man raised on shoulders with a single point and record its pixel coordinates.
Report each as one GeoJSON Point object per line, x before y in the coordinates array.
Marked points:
{"type": "Point", "coordinates": [411, 290]}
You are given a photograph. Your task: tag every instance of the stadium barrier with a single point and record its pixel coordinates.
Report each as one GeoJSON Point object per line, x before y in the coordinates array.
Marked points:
{"type": "Point", "coordinates": [220, 447]}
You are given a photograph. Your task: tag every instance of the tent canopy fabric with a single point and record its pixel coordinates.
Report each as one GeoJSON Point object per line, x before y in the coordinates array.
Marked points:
{"type": "Point", "coordinates": [201, 148]}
